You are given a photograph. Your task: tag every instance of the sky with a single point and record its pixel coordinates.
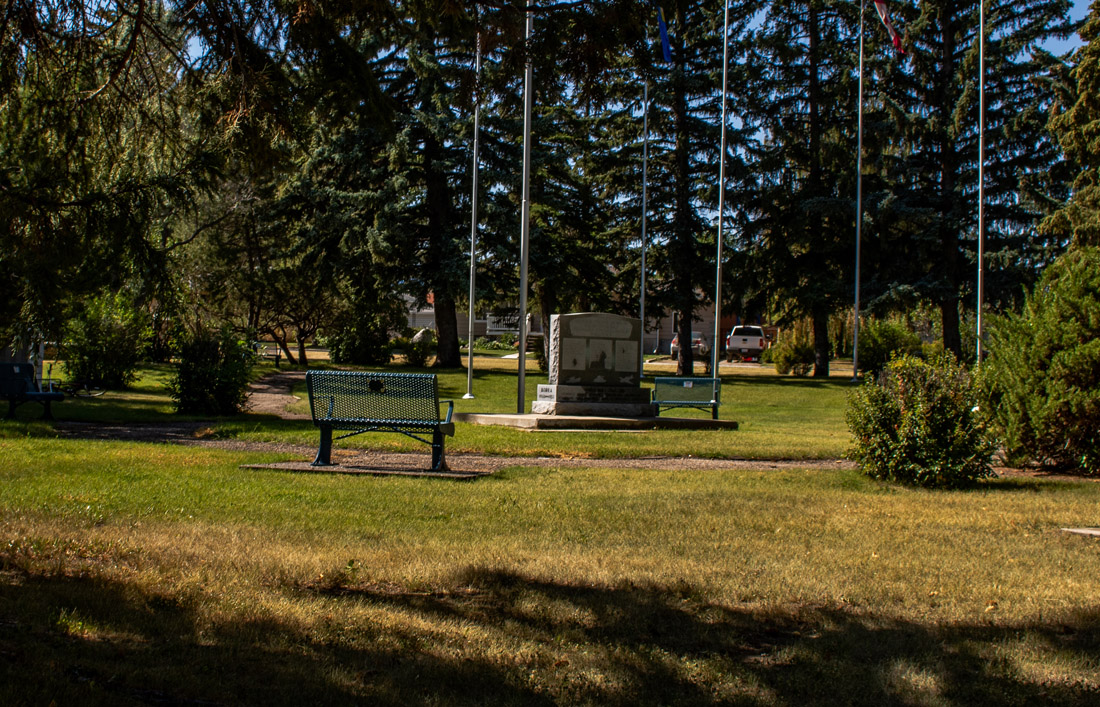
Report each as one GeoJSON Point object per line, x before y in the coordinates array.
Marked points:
{"type": "Point", "coordinates": [1080, 9]}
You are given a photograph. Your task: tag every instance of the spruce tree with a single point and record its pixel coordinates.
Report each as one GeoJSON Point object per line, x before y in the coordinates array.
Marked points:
{"type": "Point", "coordinates": [937, 178]}
{"type": "Point", "coordinates": [1073, 123]}
{"type": "Point", "coordinates": [802, 97]}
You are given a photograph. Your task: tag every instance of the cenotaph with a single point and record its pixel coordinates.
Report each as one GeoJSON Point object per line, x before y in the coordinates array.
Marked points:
{"type": "Point", "coordinates": [595, 369]}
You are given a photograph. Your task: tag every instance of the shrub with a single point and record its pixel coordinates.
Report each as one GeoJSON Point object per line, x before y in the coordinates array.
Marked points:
{"type": "Point", "coordinates": [880, 341]}
{"type": "Point", "coordinates": [419, 348]}
{"type": "Point", "coordinates": [362, 341]}
{"type": "Point", "coordinates": [793, 355]}
{"type": "Point", "coordinates": [105, 340]}
{"type": "Point", "coordinates": [1041, 380]}
{"type": "Point", "coordinates": [213, 374]}
{"type": "Point", "coordinates": [916, 423]}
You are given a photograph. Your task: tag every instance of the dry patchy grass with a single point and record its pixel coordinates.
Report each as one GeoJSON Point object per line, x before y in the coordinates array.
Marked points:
{"type": "Point", "coordinates": [138, 573]}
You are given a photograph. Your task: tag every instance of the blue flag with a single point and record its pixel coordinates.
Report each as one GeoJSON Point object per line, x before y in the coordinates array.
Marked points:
{"type": "Point", "coordinates": [665, 47]}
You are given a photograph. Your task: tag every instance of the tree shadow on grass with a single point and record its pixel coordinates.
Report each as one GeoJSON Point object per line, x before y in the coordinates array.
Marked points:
{"type": "Point", "coordinates": [665, 645]}
{"type": "Point", "coordinates": [167, 652]}
{"type": "Point", "coordinates": [531, 641]}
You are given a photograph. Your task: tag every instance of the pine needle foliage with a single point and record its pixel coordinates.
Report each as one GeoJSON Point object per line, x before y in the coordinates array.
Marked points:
{"type": "Point", "coordinates": [1042, 379]}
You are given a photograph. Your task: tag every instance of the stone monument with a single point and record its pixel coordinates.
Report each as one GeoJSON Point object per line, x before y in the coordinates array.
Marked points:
{"type": "Point", "coordinates": [595, 369]}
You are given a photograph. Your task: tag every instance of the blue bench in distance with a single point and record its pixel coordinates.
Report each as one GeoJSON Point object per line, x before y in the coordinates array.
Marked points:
{"type": "Point", "coordinates": [18, 385]}
{"type": "Point", "coordinates": [687, 392]}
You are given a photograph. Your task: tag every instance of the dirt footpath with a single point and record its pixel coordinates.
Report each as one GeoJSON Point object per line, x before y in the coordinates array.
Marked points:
{"type": "Point", "coordinates": [272, 395]}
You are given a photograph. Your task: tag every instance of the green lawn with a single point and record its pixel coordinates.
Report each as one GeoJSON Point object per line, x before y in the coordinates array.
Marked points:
{"type": "Point", "coordinates": [134, 573]}
{"type": "Point", "coordinates": [143, 572]}
{"type": "Point", "coordinates": [780, 417]}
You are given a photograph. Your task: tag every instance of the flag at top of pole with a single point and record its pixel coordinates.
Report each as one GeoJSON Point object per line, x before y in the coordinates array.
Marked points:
{"type": "Point", "coordinates": [666, 48]}
{"type": "Point", "coordinates": [884, 15]}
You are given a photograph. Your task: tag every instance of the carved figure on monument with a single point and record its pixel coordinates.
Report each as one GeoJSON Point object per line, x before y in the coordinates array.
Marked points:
{"type": "Point", "coordinates": [595, 368]}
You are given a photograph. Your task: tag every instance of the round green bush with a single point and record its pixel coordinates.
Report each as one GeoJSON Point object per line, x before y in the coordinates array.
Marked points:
{"type": "Point", "coordinates": [880, 341]}
{"type": "Point", "coordinates": [104, 342]}
{"type": "Point", "coordinates": [213, 374]}
{"type": "Point", "coordinates": [793, 356]}
{"type": "Point", "coordinates": [917, 423]}
{"type": "Point", "coordinates": [1041, 380]}
{"type": "Point", "coordinates": [359, 340]}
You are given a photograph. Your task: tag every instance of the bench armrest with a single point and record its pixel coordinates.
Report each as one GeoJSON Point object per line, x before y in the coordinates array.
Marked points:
{"type": "Point", "coordinates": [450, 409]}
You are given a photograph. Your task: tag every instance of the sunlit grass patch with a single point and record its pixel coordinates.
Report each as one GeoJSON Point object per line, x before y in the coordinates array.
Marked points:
{"type": "Point", "coordinates": [131, 569]}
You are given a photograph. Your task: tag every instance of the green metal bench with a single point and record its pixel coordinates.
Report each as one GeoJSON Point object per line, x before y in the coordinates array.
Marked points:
{"type": "Point", "coordinates": [358, 402]}
{"type": "Point", "coordinates": [18, 385]}
{"type": "Point", "coordinates": [687, 392]}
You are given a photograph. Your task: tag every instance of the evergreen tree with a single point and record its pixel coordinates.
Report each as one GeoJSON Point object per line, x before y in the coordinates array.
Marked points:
{"type": "Point", "coordinates": [684, 125]}
{"type": "Point", "coordinates": [803, 98]}
{"type": "Point", "coordinates": [1076, 119]}
{"type": "Point", "coordinates": [937, 180]}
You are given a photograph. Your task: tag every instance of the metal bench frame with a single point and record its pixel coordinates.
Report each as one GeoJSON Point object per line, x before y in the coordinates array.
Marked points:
{"type": "Point", "coordinates": [668, 393]}
{"type": "Point", "coordinates": [358, 402]}
{"type": "Point", "coordinates": [18, 385]}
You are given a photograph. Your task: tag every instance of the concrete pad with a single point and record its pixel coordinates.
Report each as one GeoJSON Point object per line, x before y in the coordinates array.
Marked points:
{"type": "Point", "coordinates": [1084, 531]}
{"type": "Point", "coordinates": [368, 470]}
{"type": "Point", "coordinates": [577, 422]}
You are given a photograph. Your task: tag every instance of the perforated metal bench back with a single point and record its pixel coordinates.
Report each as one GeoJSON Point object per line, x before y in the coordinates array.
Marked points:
{"type": "Point", "coordinates": [353, 397]}
{"type": "Point", "coordinates": [686, 390]}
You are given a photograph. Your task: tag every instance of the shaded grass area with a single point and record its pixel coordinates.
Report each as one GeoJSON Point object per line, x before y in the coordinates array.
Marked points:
{"type": "Point", "coordinates": [136, 573]}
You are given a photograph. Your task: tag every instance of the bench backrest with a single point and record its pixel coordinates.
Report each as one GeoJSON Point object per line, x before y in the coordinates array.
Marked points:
{"type": "Point", "coordinates": [17, 378]}
{"type": "Point", "coordinates": [356, 395]}
{"type": "Point", "coordinates": [687, 390]}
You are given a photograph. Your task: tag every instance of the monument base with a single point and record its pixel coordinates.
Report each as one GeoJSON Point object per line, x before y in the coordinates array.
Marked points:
{"type": "Point", "coordinates": [593, 409]}
{"type": "Point", "coordinates": [594, 401]}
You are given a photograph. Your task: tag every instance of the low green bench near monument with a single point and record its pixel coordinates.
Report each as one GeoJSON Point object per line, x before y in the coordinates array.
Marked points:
{"type": "Point", "coordinates": [687, 392]}
{"type": "Point", "coordinates": [19, 385]}
{"type": "Point", "coordinates": [357, 402]}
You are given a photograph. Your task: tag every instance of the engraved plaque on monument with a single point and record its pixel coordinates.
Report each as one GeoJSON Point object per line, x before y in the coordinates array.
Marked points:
{"type": "Point", "coordinates": [595, 368]}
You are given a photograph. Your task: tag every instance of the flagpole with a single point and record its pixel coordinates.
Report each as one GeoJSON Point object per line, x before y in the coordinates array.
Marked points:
{"type": "Point", "coordinates": [645, 211]}
{"type": "Point", "coordinates": [859, 198]}
{"type": "Point", "coordinates": [525, 226]}
{"type": "Point", "coordinates": [473, 227]}
{"type": "Point", "coordinates": [721, 197]}
{"type": "Point", "coordinates": [981, 169]}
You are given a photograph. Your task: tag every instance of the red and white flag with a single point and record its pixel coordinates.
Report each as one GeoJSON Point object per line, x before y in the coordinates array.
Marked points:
{"type": "Point", "coordinates": [884, 15]}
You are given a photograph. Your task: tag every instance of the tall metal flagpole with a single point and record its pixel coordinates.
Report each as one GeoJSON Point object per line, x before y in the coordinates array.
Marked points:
{"type": "Point", "coordinates": [645, 212]}
{"type": "Point", "coordinates": [859, 197]}
{"type": "Point", "coordinates": [473, 226]}
{"type": "Point", "coordinates": [525, 226]}
{"type": "Point", "coordinates": [721, 198]}
{"type": "Point", "coordinates": [981, 167]}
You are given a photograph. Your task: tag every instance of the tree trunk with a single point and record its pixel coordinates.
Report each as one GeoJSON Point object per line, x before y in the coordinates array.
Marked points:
{"type": "Point", "coordinates": [448, 353]}
{"type": "Point", "coordinates": [302, 336]}
{"type": "Point", "coordinates": [821, 343]}
{"type": "Point", "coordinates": [280, 339]}
{"type": "Point", "coordinates": [949, 224]}
{"type": "Point", "coordinates": [685, 357]}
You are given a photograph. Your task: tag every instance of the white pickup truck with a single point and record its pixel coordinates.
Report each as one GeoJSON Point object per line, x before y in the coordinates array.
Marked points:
{"type": "Point", "coordinates": [745, 343]}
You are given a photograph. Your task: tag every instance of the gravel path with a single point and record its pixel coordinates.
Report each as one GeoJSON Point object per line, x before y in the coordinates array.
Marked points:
{"type": "Point", "coordinates": [271, 395]}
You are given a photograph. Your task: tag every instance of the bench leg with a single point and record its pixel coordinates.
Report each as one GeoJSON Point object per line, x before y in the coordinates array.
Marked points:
{"type": "Point", "coordinates": [714, 412]}
{"type": "Point", "coordinates": [439, 462]}
{"type": "Point", "coordinates": [324, 449]}
{"type": "Point", "coordinates": [47, 414]}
